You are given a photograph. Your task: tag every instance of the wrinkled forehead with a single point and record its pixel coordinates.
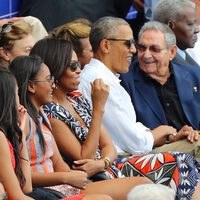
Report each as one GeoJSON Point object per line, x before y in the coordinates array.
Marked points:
{"type": "Point", "coordinates": [152, 37]}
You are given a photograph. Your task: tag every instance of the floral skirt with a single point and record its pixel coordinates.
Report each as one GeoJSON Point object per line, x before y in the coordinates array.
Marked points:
{"type": "Point", "coordinates": [179, 171]}
{"type": "Point", "coordinates": [67, 190]}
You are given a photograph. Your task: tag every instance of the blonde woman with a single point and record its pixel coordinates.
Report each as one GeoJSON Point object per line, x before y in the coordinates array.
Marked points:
{"type": "Point", "coordinates": [77, 32]}
{"type": "Point", "coordinates": [15, 39]}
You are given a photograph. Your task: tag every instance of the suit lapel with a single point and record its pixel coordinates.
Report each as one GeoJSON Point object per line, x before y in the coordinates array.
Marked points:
{"type": "Point", "coordinates": [190, 60]}
{"type": "Point", "coordinates": [149, 94]}
{"type": "Point", "coordinates": [183, 85]}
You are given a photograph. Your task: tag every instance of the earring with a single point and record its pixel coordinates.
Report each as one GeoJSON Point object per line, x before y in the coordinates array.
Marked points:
{"type": "Point", "coordinates": [56, 84]}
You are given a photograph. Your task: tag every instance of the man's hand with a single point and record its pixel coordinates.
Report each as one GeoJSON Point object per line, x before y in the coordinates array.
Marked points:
{"type": "Point", "coordinates": [186, 132]}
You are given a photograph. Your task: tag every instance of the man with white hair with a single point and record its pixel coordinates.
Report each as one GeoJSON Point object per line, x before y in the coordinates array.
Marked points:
{"type": "Point", "coordinates": [180, 16]}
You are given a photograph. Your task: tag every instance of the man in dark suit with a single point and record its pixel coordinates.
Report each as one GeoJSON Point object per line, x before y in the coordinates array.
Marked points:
{"type": "Point", "coordinates": [162, 92]}
{"type": "Point", "coordinates": [181, 17]}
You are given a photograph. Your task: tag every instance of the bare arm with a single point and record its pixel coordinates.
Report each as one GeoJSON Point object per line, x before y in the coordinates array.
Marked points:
{"type": "Point", "coordinates": [92, 167]}
{"type": "Point", "coordinates": [25, 164]}
{"type": "Point", "coordinates": [107, 147]}
{"type": "Point", "coordinates": [74, 178]}
{"type": "Point", "coordinates": [61, 175]}
{"type": "Point", "coordinates": [7, 174]}
{"type": "Point", "coordinates": [67, 142]}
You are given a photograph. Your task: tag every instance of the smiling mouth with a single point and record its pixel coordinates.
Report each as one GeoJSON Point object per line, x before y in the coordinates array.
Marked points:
{"type": "Point", "coordinates": [194, 39]}
{"type": "Point", "coordinates": [148, 62]}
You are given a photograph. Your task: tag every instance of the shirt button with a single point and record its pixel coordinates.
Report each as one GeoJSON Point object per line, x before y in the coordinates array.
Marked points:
{"type": "Point", "coordinates": [167, 104]}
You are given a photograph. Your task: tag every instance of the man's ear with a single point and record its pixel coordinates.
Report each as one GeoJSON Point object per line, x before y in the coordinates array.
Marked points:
{"type": "Point", "coordinates": [4, 54]}
{"type": "Point", "coordinates": [171, 24]}
{"type": "Point", "coordinates": [173, 51]}
{"type": "Point", "coordinates": [105, 45]}
{"type": "Point", "coordinates": [31, 87]}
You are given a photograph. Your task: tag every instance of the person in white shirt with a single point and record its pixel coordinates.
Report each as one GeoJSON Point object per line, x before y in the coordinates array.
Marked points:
{"type": "Point", "coordinates": [195, 52]}
{"type": "Point", "coordinates": [113, 46]}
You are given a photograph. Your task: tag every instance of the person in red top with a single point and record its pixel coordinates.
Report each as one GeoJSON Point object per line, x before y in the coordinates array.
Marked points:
{"type": "Point", "coordinates": [14, 163]}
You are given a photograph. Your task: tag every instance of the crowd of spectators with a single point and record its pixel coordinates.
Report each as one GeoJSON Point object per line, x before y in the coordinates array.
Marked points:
{"type": "Point", "coordinates": [95, 105]}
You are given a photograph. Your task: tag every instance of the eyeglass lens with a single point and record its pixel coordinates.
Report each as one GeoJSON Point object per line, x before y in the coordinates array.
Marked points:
{"type": "Point", "coordinates": [152, 49]}
{"type": "Point", "coordinates": [74, 65]}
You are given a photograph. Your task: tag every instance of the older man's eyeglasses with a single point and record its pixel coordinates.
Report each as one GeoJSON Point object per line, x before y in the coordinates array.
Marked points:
{"type": "Point", "coordinates": [128, 43]}
{"type": "Point", "coordinates": [74, 65]}
{"type": "Point", "coordinates": [153, 49]}
{"type": "Point", "coordinates": [48, 80]}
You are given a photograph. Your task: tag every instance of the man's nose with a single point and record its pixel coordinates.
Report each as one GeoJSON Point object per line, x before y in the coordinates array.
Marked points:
{"type": "Point", "coordinates": [133, 49]}
{"type": "Point", "coordinates": [197, 28]}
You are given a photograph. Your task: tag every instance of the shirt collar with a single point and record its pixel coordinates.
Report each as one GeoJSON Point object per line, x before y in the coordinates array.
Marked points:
{"type": "Point", "coordinates": [102, 69]}
{"type": "Point", "coordinates": [181, 53]}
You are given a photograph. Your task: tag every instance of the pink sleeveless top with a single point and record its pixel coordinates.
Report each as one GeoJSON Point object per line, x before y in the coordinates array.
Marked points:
{"type": "Point", "coordinates": [40, 161]}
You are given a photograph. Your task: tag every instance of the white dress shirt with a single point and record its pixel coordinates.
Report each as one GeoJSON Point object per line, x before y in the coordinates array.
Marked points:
{"type": "Point", "coordinates": [181, 53]}
{"type": "Point", "coordinates": [195, 52]}
{"type": "Point", "coordinates": [119, 117]}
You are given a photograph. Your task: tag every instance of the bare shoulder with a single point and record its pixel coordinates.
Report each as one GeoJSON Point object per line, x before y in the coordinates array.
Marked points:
{"type": "Point", "coordinates": [2, 137]}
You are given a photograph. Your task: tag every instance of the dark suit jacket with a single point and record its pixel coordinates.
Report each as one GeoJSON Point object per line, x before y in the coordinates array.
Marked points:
{"type": "Point", "coordinates": [179, 60]}
{"type": "Point", "coordinates": [144, 97]}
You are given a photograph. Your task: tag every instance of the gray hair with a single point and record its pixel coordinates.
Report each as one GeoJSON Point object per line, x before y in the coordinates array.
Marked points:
{"type": "Point", "coordinates": [170, 38]}
{"type": "Point", "coordinates": [151, 192]}
{"type": "Point", "coordinates": [173, 10]}
{"type": "Point", "coordinates": [105, 27]}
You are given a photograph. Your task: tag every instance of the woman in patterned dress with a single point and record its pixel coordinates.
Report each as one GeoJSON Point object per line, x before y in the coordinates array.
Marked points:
{"type": "Point", "coordinates": [48, 168]}
{"type": "Point", "coordinates": [82, 139]}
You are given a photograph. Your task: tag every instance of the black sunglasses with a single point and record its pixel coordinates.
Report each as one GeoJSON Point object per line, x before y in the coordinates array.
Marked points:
{"type": "Point", "coordinates": [74, 65]}
{"type": "Point", "coordinates": [153, 49]}
{"type": "Point", "coordinates": [6, 28]}
{"type": "Point", "coordinates": [128, 43]}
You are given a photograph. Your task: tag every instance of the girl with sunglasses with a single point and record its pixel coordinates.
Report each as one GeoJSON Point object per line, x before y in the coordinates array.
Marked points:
{"type": "Point", "coordinates": [48, 168]}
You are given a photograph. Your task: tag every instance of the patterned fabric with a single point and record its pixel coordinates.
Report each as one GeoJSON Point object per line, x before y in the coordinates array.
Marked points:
{"type": "Point", "coordinates": [180, 171]}
{"type": "Point", "coordinates": [160, 168]}
{"type": "Point", "coordinates": [67, 190]}
{"type": "Point", "coordinates": [83, 109]}
{"type": "Point", "coordinates": [41, 162]}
